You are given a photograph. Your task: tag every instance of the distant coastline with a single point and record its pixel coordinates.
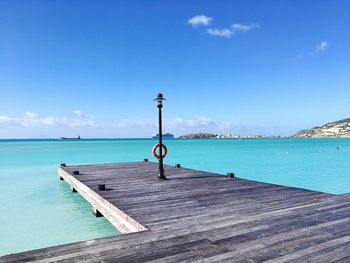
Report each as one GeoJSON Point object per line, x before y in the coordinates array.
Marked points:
{"type": "Point", "coordinates": [225, 136]}
{"type": "Point", "coordinates": [335, 129]}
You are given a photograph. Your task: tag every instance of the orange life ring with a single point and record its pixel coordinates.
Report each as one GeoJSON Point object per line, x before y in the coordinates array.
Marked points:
{"type": "Point", "coordinates": [154, 151]}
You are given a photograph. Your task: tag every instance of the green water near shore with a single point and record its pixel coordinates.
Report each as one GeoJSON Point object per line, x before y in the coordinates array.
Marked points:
{"type": "Point", "coordinates": [38, 210]}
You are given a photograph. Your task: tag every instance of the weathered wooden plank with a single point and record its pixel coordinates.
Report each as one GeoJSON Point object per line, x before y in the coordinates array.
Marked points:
{"type": "Point", "coordinates": [122, 221]}
{"type": "Point", "coordinates": [301, 255]}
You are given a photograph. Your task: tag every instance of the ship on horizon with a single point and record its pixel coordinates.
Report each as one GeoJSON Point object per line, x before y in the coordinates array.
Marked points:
{"type": "Point", "coordinates": [71, 138]}
{"type": "Point", "coordinates": [164, 136]}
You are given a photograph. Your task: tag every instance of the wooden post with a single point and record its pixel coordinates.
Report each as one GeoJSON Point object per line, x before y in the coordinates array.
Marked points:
{"type": "Point", "coordinates": [101, 187]}
{"type": "Point", "coordinates": [230, 175]}
{"type": "Point", "coordinates": [96, 212]}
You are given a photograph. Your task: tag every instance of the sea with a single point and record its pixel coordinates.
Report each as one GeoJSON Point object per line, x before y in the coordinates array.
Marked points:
{"type": "Point", "coordinates": [39, 210]}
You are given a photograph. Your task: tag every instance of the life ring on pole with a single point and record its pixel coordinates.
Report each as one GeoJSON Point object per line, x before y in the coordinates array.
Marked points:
{"type": "Point", "coordinates": [154, 151]}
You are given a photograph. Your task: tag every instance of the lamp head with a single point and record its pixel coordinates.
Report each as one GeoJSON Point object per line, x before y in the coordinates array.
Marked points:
{"type": "Point", "coordinates": [160, 99]}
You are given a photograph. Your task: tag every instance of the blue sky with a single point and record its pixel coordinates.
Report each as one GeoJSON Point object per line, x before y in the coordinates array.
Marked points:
{"type": "Point", "coordinates": [243, 67]}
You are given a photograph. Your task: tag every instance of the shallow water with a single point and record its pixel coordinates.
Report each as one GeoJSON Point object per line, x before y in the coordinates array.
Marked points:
{"type": "Point", "coordinates": [38, 210]}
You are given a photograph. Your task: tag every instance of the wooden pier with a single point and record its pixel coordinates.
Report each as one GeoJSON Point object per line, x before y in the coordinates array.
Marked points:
{"type": "Point", "coordinates": [198, 216]}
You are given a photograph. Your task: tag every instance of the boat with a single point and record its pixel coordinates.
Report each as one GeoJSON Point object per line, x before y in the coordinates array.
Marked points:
{"type": "Point", "coordinates": [71, 138]}
{"type": "Point", "coordinates": [164, 136]}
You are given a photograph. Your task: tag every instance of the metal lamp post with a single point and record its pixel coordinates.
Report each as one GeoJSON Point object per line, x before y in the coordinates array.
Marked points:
{"type": "Point", "coordinates": [159, 100]}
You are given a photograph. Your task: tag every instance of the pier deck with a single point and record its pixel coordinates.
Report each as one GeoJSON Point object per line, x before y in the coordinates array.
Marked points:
{"type": "Point", "coordinates": [198, 216]}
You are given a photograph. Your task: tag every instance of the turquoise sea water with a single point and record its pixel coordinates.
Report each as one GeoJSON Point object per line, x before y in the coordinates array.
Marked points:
{"type": "Point", "coordinates": [38, 210]}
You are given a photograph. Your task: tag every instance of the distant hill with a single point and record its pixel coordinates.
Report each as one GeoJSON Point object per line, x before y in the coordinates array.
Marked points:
{"type": "Point", "coordinates": [332, 129]}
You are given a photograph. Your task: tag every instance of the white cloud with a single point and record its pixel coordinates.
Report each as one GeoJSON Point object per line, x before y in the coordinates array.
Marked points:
{"type": "Point", "coordinates": [227, 33]}
{"type": "Point", "coordinates": [176, 125]}
{"type": "Point", "coordinates": [201, 122]}
{"type": "Point", "coordinates": [321, 47]}
{"type": "Point", "coordinates": [31, 119]}
{"type": "Point", "coordinates": [79, 113]}
{"type": "Point", "coordinates": [140, 124]}
{"type": "Point", "coordinates": [200, 20]}
{"type": "Point", "coordinates": [243, 28]}
{"type": "Point", "coordinates": [172, 123]}
{"type": "Point", "coordinates": [6, 121]}
{"type": "Point", "coordinates": [31, 115]}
